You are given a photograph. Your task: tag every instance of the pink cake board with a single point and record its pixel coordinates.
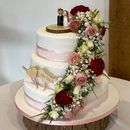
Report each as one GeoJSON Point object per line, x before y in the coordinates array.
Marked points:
{"type": "Point", "coordinates": [102, 111]}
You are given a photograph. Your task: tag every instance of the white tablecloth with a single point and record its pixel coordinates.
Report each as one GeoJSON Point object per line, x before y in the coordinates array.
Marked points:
{"type": "Point", "coordinates": [11, 120]}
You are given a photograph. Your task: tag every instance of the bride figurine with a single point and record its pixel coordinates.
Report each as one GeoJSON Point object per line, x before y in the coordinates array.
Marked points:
{"type": "Point", "coordinates": [66, 17]}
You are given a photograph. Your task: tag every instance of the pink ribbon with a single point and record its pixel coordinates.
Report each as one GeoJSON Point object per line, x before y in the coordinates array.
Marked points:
{"type": "Point", "coordinates": [93, 104]}
{"type": "Point", "coordinates": [33, 103]}
{"type": "Point", "coordinates": [52, 55]}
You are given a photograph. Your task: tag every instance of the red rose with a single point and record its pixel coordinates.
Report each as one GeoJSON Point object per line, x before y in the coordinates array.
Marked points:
{"type": "Point", "coordinates": [74, 25]}
{"type": "Point", "coordinates": [62, 98]}
{"type": "Point", "coordinates": [90, 31]}
{"type": "Point", "coordinates": [81, 79]}
{"type": "Point", "coordinates": [80, 8]}
{"type": "Point", "coordinates": [103, 31]}
{"type": "Point", "coordinates": [74, 58]}
{"type": "Point", "coordinates": [97, 65]}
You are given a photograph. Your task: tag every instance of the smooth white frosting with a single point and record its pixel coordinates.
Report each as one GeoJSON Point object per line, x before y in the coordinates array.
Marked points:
{"type": "Point", "coordinates": [37, 94]}
{"type": "Point", "coordinates": [52, 55]}
{"type": "Point", "coordinates": [63, 42]}
{"type": "Point", "coordinates": [57, 68]}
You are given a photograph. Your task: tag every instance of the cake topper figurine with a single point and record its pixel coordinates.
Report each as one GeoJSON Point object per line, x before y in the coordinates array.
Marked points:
{"type": "Point", "coordinates": [66, 17]}
{"type": "Point", "coordinates": [60, 17]}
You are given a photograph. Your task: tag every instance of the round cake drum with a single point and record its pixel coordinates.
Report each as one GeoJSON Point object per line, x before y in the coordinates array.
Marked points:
{"type": "Point", "coordinates": [57, 29]}
{"type": "Point", "coordinates": [89, 117]}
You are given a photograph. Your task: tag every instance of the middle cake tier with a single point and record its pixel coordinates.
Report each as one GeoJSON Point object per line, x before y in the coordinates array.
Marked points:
{"type": "Point", "coordinates": [57, 68]}
{"type": "Point", "coordinates": [55, 47]}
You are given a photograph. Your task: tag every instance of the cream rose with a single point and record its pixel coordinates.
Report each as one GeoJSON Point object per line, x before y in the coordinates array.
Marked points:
{"type": "Point", "coordinates": [69, 79]}
{"type": "Point", "coordinates": [97, 19]}
{"type": "Point", "coordinates": [76, 90]}
{"type": "Point", "coordinates": [90, 44]}
{"type": "Point", "coordinates": [54, 114]}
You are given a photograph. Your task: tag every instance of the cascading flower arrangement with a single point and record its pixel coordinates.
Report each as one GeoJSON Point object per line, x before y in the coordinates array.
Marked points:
{"type": "Point", "coordinates": [85, 64]}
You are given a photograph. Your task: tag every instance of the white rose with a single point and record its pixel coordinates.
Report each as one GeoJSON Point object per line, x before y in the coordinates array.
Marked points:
{"type": "Point", "coordinates": [54, 114]}
{"type": "Point", "coordinates": [98, 19]}
{"type": "Point", "coordinates": [58, 87]}
{"type": "Point", "coordinates": [69, 79]}
{"type": "Point", "coordinates": [76, 90]}
{"type": "Point", "coordinates": [90, 44]}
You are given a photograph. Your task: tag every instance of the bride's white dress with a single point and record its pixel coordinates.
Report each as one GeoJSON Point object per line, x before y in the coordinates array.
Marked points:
{"type": "Point", "coordinates": [65, 21]}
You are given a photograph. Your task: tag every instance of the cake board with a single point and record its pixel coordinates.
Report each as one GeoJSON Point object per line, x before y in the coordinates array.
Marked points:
{"type": "Point", "coordinates": [96, 119]}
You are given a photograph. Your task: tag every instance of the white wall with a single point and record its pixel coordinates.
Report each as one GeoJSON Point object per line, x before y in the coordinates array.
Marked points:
{"type": "Point", "coordinates": [19, 20]}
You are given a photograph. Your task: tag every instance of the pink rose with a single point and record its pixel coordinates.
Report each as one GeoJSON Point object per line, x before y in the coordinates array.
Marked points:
{"type": "Point", "coordinates": [77, 108]}
{"type": "Point", "coordinates": [81, 79]}
{"type": "Point", "coordinates": [74, 25]}
{"type": "Point", "coordinates": [90, 31]}
{"type": "Point", "coordinates": [74, 58]}
{"type": "Point", "coordinates": [69, 115]}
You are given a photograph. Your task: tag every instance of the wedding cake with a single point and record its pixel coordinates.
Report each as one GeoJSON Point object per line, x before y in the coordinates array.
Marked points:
{"type": "Point", "coordinates": [66, 76]}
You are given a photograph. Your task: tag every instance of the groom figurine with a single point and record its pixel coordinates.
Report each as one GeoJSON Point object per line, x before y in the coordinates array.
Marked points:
{"type": "Point", "coordinates": [60, 17]}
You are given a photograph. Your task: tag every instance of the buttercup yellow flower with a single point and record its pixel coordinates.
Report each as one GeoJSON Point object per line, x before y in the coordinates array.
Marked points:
{"type": "Point", "coordinates": [83, 48]}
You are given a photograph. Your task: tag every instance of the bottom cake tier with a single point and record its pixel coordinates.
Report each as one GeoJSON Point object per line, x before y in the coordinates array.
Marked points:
{"type": "Point", "coordinates": [36, 97]}
{"type": "Point", "coordinates": [94, 114]}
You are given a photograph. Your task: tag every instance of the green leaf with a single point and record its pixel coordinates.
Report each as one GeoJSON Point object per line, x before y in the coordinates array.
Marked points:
{"type": "Point", "coordinates": [80, 42]}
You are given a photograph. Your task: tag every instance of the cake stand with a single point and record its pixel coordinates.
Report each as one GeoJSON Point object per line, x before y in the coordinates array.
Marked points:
{"type": "Point", "coordinates": [95, 119]}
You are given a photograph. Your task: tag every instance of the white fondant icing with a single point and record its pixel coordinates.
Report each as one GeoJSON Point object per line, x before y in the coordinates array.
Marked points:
{"type": "Point", "coordinates": [57, 68]}
{"type": "Point", "coordinates": [37, 94]}
{"type": "Point", "coordinates": [63, 42]}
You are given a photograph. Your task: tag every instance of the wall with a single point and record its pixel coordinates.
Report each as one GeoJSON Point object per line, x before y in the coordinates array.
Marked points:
{"type": "Point", "coordinates": [19, 20]}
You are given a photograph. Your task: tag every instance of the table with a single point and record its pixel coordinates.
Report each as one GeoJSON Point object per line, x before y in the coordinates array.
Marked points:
{"type": "Point", "coordinates": [11, 120]}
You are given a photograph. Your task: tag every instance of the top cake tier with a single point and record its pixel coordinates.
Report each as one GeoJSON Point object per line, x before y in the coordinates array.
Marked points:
{"type": "Point", "coordinates": [62, 42]}
{"type": "Point", "coordinates": [50, 45]}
